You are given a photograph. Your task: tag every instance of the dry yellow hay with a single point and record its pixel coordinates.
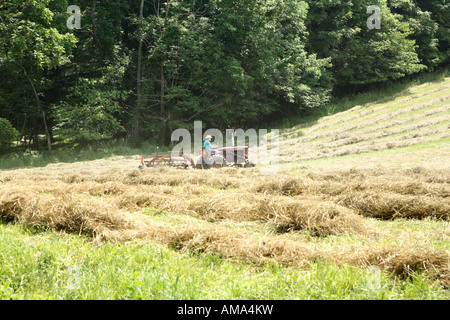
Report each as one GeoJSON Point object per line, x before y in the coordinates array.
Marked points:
{"type": "Point", "coordinates": [66, 214]}
{"type": "Point", "coordinates": [384, 205]}
{"type": "Point", "coordinates": [404, 262]}
{"type": "Point", "coordinates": [108, 223]}
{"type": "Point", "coordinates": [104, 200]}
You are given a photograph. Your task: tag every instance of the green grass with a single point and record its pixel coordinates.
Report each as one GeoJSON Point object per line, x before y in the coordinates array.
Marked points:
{"type": "Point", "coordinates": [432, 145]}
{"type": "Point", "coordinates": [382, 125]}
{"type": "Point", "coordinates": [368, 117]}
{"type": "Point", "coordinates": [20, 158]}
{"type": "Point", "coordinates": [345, 103]}
{"type": "Point", "coordinates": [39, 264]}
{"type": "Point", "coordinates": [393, 105]}
{"type": "Point", "coordinates": [405, 116]}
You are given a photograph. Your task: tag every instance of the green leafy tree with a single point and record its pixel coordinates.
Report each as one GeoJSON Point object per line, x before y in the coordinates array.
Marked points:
{"type": "Point", "coordinates": [7, 132]}
{"type": "Point", "coordinates": [227, 63]}
{"type": "Point", "coordinates": [264, 67]}
{"type": "Point", "coordinates": [92, 110]}
{"type": "Point", "coordinates": [424, 30]}
{"type": "Point", "coordinates": [360, 55]}
{"type": "Point", "coordinates": [30, 42]}
{"type": "Point", "coordinates": [440, 13]}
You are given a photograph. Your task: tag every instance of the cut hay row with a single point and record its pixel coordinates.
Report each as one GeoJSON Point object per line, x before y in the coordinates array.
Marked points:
{"type": "Point", "coordinates": [109, 224]}
{"type": "Point", "coordinates": [66, 213]}
{"type": "Point", "coordinates": [315, 203]}
{"type": "Point", "coordinates": [294, 153]}
{"type": "Point", "coordinates": [427, 126]}
{"type": "Point", "coordinates": [358, 108]}
{"type": "Point", "coordinates": [320, 218]}
{"type": "Point", "coordinates": [404, 182]}
{"type": "Point", "coordinates": [377, 109]}
{"type": "Point", "coordinates": [362, 124]}
{"type": "Point", "coordinates": [366, 114]}
{"type": "Point", "coordinates": [411, 93]}
{"type": "Point", "coordinates": [418, 180]}
{"type": "Point", "coordinates": [429, 179]}
{"type": "Point", "coordinates": [395, 122]}
{"type": "Point", "coordinates": [423, 128]}
{"type": "Point", "coordinates": [413, 115]}
{"type": "Point", "coordinates": [385, 206]}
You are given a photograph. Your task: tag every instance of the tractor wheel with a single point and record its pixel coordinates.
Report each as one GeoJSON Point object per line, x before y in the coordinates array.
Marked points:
{"type": "Point", "coordinates": [217, 161]}
{"type": "Point", "coordinates": [249, 164]}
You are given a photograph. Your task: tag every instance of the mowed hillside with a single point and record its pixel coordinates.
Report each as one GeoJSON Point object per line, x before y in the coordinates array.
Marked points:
{"type": "Point", "coordinates": [366, 187]}
{"type": "Point", "coordinates": [417, 117]}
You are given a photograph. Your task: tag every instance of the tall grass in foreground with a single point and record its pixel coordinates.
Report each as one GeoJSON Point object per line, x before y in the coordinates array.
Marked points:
{"type": "Point", "coordinates": [39, 264]}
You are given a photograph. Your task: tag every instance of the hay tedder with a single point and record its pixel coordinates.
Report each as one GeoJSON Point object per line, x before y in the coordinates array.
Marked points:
{"type": "Point", "coordinates": [221, 157]}
{"type": "Point", "coordinates": [168, 159]}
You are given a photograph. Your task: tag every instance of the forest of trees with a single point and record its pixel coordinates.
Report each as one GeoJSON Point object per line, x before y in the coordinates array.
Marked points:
{"type": "Point", "coordinates": [139, 69]}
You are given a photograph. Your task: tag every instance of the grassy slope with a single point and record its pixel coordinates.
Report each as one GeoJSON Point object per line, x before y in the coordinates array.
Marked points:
{"type": "Point", "coordinates": [40, 263]}
{"type": "Point", "coordinates": [415, 117]}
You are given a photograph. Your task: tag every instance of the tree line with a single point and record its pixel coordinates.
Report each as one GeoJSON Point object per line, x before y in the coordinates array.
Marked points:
{"type": "Point", "coordinates": [139, 69]}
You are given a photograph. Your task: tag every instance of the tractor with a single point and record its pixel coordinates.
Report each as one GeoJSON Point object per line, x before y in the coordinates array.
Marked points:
{"type": "Point", "coordinates": [221, 157]}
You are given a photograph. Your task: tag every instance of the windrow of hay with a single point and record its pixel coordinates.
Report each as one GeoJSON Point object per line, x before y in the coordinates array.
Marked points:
{"type": "Point", "coordinates": [62, 213]}
{"type": "Point", "coordinates": [320, 218]}
{"type": "Point", "coordinates": [370, 121]}
{"type": "Point", "coordinates": [374, 130]}
{"type": "Point", "coordinates": [384, 205]}
{"type": "Point", "coordinates": [384, 125]}
{"type": "Point", "coordinates": [108, 223]}
{"type": "Point", "coordinates": [228, 244]}
{"type": "Point", "coordinates": [407, 120]}
{"type": "Point", "coordinates": [427, 127]}
{"type": "Point", "coordinates": [301, 186]}
{"type": "Point", "coordinates": [167, 176]}
{"type": "Point", "coordinates": [369, 115]}
{"type": "Point", "coordinates": [425, 183]}
{"type": "Point", "coordinates": [368, 194]}
{"type": "Point", "coordinates": [409, 95]}
{"type": "Point", "coordinates": [296, 152]}
{"type": "Point", "coordinates": [405, 262]}
{"type": "Point", "coordinates": [399, 261]}
{"type": "Point", "coordinates": [101, 219]}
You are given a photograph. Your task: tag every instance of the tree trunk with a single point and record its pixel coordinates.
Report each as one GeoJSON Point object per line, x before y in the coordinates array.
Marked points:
{"type": "Point", "coordinates": [162, 137]}
{"type": "Point", "coordinates": [35, 133]}
{"type": "Point", "coordinates": [94, 27]}
{"type": "Point", "coordinates": [38, 101]}
{"type": "Point", "coordinates": [138, 81]}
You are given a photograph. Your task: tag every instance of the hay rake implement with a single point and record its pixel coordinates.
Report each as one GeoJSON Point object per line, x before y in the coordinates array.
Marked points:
{"type": "Point", "coordinates": [222, 157]}
{"type": "Point", "coordinates": [179, 160]}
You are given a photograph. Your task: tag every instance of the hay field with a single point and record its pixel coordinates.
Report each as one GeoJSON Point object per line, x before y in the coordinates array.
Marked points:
{"type": "Point", "coordinates": [416, 116]}
{"type": "Point", "coordinates": [369, 186]}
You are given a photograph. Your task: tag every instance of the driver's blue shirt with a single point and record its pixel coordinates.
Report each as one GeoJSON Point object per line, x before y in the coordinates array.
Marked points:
{"type": "Point", "coordinates": [207, 145]}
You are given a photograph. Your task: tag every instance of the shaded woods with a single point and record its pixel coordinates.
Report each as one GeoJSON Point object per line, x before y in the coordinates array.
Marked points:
{"type": "Point", "coordinates": [137, 70]}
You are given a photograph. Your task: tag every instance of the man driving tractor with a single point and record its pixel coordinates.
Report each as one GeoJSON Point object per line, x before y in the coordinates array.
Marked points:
{"type": "Point", "coordinates": [209, 154]}
{"type": "Point", "coordinates": [208, 148]}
